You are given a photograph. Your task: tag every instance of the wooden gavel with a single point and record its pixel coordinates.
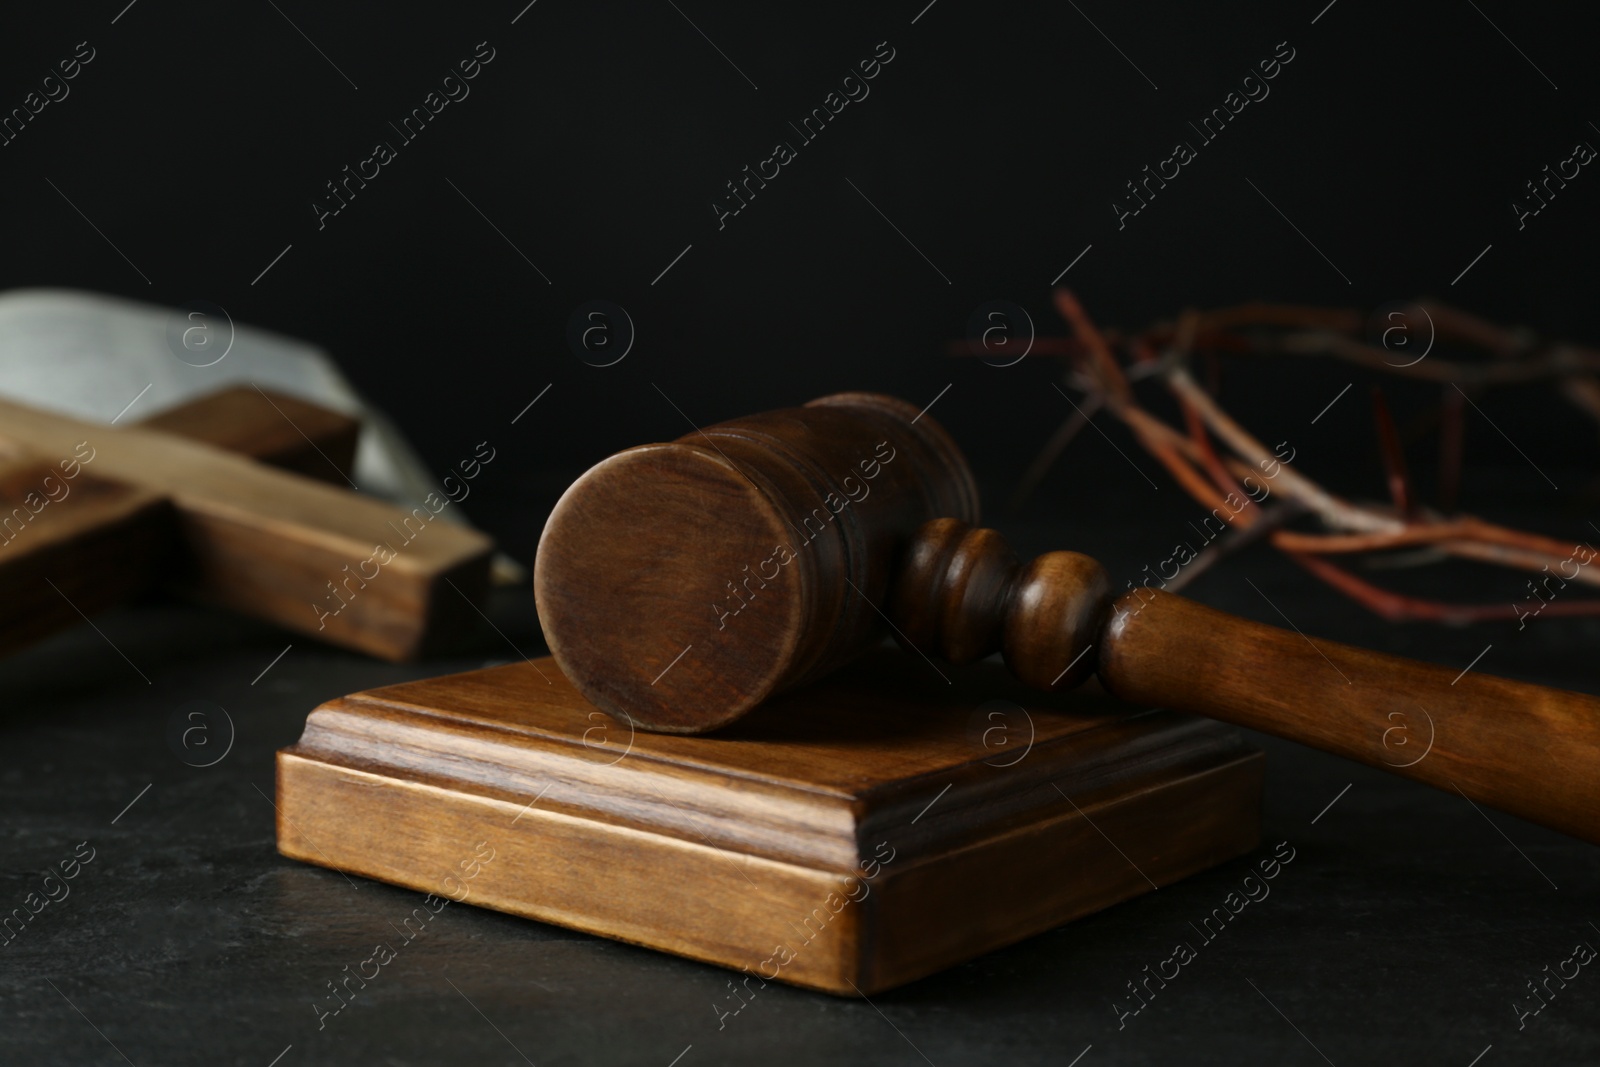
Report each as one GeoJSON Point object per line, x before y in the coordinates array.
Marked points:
{"type": "Point", "coordinates": [679, 585]}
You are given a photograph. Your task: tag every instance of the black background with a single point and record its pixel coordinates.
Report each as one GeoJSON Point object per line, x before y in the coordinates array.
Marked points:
{"type": "Point", "coordinates": [996, 141]}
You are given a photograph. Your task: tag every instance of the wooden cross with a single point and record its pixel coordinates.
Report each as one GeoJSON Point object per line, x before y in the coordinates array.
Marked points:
{"type": "Point", "coordinates": [225, 500]}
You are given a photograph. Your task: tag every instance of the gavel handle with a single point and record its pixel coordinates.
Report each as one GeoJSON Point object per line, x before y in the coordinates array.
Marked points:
{"type": "Point", "coordinates": [1525, 749]}
{"type": "Point", "coordinates": [1532, 751]}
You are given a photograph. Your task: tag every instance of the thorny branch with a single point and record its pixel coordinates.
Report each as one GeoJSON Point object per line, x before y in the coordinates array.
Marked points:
{"type": "Point", "coordinates": [1106, 365]}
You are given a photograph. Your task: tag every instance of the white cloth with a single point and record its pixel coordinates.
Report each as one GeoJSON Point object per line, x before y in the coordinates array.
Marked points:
{"type": "Point", "coordinates": [90, 355]}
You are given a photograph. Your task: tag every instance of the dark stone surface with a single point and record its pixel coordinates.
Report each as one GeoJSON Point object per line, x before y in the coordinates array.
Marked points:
{"type": "Point", "coordinates": [1402, 931]}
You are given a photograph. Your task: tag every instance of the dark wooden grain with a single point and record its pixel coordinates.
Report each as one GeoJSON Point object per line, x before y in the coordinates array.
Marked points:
{"type": "Point", "coordinates": [682, 584]}
{"type": "Point", "coordinates": [962, 592]}
{"type": "Point", "coordinates": [635, 552]}
{"type": "Point", "coordinates": [274, 428]}
{"type": "Point", "coordinates": [723, 848]}
{"type": "Point", "coordinates": [1526, 749]}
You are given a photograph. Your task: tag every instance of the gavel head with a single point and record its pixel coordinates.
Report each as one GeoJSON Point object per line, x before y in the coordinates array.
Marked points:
{"type": "Point", "coordinates": [681, 584]}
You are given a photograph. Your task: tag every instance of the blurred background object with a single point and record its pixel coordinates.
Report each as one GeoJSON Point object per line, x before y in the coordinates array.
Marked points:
{"type": "Point", "coordinates": [111, 359]}
{"type": "Point", "coordinates": [116, 360]}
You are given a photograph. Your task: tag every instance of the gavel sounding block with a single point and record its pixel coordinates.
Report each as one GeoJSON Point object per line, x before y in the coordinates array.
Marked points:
{"type": "Point", "coordinates": [849, 837]}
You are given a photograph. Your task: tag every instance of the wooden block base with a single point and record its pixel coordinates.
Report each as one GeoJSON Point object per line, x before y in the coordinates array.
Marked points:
{"type": "Point", "coordinates": [850, 837]}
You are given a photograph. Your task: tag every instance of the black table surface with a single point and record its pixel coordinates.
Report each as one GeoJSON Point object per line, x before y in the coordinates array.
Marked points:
{"type": "Point", "coordinates": [1405, 930]}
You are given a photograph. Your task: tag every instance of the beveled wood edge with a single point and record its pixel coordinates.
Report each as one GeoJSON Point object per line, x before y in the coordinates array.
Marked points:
{"type": "Point", "coordinates": [849, 962]}
{"type": "Point", "coordinates": [1231, 788]}
{"type": "Point", "coordinates": [792, 888]}
{"type": "Point", "coordinates": [820, 822]}
{"type": "Point", "coordinates": [1130, 749]}
{"type": "Point", "coordinates": [772, 816]}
